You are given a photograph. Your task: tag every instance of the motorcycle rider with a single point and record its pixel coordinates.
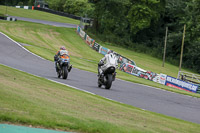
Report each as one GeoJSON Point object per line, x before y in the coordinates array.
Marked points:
{"type": "Point", "coordinates": [107, 61]}
{"type": "Point", "coordinates": [60, 54]}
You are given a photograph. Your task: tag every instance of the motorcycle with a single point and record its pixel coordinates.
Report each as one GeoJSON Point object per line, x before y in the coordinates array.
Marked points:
{"type": "Point", "coordinates": [107, 77]}
{"type": "Point", "coordinates": [64, 67]}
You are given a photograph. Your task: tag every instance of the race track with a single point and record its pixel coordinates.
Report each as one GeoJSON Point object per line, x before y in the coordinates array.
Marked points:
{"type": "Point", "coordinates": [57, 24]}
{"type": "Point", "coordinates": [148, 98]}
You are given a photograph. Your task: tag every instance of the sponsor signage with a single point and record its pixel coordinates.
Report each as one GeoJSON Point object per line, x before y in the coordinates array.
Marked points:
{"type": "Point", "coordinates": [96, 46]}
{"type": "Point", "coordinates": [176, 83]}
{"type": "Point", "coordinates": [88, 40]}
{"type": "Point", "coordinates": [82, 33]}
{"type": "Point", "coordinates": [129, 68]}
{"type": "Point", "coordinates": [162, 78]}
{"type": "Point", "coordinates": [78, 29]}
{"type": "Point", "coordinates": [103, 50]}
{"type": "Point", "coordinates": [92, 43]}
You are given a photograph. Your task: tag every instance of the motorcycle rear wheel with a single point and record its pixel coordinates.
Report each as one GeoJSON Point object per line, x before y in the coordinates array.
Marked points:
{"type": "Point", "coordinates": [109, 81]}
{"type": "Point", "coordinates": [64, 72]}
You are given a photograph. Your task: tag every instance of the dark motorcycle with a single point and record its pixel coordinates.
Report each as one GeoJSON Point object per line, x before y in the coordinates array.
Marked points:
{"type": "Point", "coordinates": [107, 77]}
{"type": "Point", "coordinates": [63, 66]}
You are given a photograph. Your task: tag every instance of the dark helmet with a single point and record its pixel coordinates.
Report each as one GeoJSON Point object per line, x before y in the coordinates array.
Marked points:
{"type": "Point", "coordinates": [110, 51]}
{"type": "Point", "coordinates": [62, 48]}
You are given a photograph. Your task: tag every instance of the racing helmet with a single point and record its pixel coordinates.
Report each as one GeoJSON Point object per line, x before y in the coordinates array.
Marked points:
{"type": "Point", "coordinates": [62, 48]}
{"type": "Point", "coordinates": [110, 51]}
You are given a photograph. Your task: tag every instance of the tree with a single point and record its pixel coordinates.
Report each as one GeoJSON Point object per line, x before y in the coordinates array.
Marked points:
{"type": "Point", "coordinates": [141, 14]}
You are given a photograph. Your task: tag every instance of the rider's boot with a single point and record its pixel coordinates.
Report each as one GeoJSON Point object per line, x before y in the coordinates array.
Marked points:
{"type": "Point", "coordinates": [114, 75]}
{"type": "Point", "coordinates": [70, 67]}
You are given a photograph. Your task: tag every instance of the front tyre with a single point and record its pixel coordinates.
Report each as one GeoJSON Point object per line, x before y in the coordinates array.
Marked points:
{"type": "Point", "coordinates": [64, 72]}
{"type": "Point", "coordinates": [109, 81]}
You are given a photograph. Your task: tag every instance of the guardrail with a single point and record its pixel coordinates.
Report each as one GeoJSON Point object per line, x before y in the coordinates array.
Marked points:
{"type": "Point", "coordinates": [57, 13]}
{"type": "Point", "coordinates": [51, 11]}
{"type": "Point", "coordinates": [190, 77]}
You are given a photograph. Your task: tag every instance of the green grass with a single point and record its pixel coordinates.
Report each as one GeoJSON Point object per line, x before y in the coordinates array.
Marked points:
{"type": "Point", "coordinates": [30, 100]}
{"type": "Point", "coordinates": [34, 14]}
{"type": "Point", "coordinates": [45, 40]}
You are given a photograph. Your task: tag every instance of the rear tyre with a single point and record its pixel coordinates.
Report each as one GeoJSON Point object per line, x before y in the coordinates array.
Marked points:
{"type": "Point", "coordinates": [64, 72]}
{"type": "Point", "coordinates": [109, 81]}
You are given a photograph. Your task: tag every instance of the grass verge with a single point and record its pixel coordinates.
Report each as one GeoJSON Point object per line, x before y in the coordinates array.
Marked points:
{"type": "Point", "coordinates": [30, 100]}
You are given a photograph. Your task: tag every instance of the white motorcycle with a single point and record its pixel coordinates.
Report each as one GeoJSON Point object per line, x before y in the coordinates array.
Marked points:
{"type": "Point", "coordinates": [107, 77]}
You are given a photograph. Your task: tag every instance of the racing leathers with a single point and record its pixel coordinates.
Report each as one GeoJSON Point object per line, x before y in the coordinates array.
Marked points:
{"type": "Point", "coordinates": [61, 54]}
{"type": "Point", "coordinates": [107, 61]}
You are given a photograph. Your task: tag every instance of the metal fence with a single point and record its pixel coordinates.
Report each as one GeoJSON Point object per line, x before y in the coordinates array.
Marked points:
{"type": "Point", "coordinates": [57, 13]}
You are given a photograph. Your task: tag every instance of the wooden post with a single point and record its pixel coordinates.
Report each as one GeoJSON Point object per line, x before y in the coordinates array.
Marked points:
{"type": "Point", "coordinates": [165, 46]}
{"type": "Point", "coordinates": [6, 8]}
{"type": "Point", "coordinates": [181, 50]}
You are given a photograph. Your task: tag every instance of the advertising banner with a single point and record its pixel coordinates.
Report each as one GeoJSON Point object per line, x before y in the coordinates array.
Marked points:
{"type": "Point", "coordinates": [129, 68]}
{"type": "Point", "coordinates": [179, 84]}
{"type": "Point", "coordinates": [162, 78]}
{"type": "Point", "coordinates": [82, 34]}
{"type": "Point", "coordinates": [103, 50]}
{"type": "Point", "coordinates": [88, 40]}
{"type": "Point", "coordinates": [78, 29]}
{"type": "Point", "coordinates": [96, 46]}
{"type": "Point", "coordinates": [156, 78]}
{"type": "Point", "coordinates": [92, 43]}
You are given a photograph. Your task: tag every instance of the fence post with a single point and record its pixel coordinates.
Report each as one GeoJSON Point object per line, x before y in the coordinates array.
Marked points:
{"type": "Point", "coordinates": [182, 50]}
{"type": "Point", "coordinates": [165, 46]}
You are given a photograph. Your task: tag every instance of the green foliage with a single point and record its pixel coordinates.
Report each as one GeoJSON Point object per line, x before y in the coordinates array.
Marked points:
{"type": "Point", "coordinates": [143, 22]}
{"type": "Point", "coordinates": [142, 13]}
{"type": "Point", "coordinates": [56, 4]}
{"type": "Point", "coordinates": [177, 14]}
{"type": "Point", "coordinates": [140, 17]}
{"type": "Point", "coordinates": [75, 7]}
{"type": "Point", "coordinates": [17, 2]}
{"type": "Point", "coordinates": [78, 7]}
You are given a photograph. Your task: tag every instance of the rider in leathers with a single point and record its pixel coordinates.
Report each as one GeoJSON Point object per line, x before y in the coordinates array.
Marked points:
{"type": "Point", "coordinates": [107, 61]}
{"type": "Point", "coordinates": [59, 54]}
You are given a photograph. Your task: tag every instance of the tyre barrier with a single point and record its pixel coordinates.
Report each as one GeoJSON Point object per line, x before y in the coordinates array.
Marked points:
{"type": "Point", "coordinates": [25, 7]}
{"type": "Point", "coordinates": [8, 18]}
{"type": "Point", "coordinates": [11, 19]}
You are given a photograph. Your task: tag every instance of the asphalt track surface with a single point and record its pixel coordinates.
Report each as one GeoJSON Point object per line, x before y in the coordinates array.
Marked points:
{"type": "Point", "coordinates": [148, 98]}
{"type": "Point", "coordinates": [57, 24]}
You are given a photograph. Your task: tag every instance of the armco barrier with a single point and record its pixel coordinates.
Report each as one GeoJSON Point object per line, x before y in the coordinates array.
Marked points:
{"type": "Point", "coordinates": [57, 13]}
{"type": "Point", "coordinates": [50, 11]}
{"type": "Point", "coordinates": [129, 66]}
{"type": "Point", "coordinates": [198, 90]}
